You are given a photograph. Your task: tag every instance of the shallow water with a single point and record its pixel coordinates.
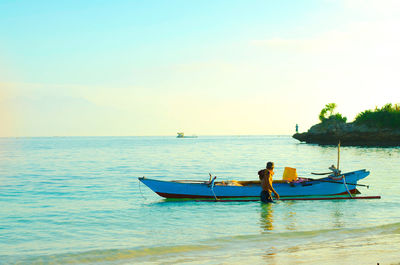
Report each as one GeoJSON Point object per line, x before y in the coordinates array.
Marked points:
{"type": "Point", "coordinates": [77, 200]}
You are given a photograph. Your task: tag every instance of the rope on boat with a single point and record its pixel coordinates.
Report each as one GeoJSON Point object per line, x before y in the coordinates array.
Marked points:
{"type": "Point", "coordinates": [141, 191]}
{"type": "Point", "coordinates": [212, 184]}
{"type": "Point", "coordinates": [212, 189]}
{"type": "Point", "coordinates": [344, 182]}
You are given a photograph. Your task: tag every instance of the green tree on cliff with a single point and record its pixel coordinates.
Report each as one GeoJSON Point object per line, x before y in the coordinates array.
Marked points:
{"type": "Point", "coordinates": [329, 111]}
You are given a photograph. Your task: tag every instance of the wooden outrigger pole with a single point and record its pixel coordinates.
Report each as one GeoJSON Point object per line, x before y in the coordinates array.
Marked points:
{"type": "Point", "coordinates": [338, 171]}
{"type": "Point", "coordinates": [296, 199]}
{"type": "Point", "coordinates": [338, 155]}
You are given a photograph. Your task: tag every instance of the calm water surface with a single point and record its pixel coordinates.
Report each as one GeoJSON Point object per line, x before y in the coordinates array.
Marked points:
{"type": "Point", "coordinates": [77, 200]}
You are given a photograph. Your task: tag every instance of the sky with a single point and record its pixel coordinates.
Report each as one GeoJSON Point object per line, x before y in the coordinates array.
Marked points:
{"type": "Point", "coordinates": [220, 67]}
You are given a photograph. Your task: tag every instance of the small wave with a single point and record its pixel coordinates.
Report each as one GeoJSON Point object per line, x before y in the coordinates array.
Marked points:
{"type": "Point", "coordinates": [284, 241]}
{"type": "Point", "coordinates": [325, 234]}
{"type": "Point", "coordinates": [110, 256]}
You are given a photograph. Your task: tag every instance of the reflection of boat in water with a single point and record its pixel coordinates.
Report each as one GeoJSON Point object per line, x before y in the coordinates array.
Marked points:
{"type": "Point", "coordinates": [182, 135]}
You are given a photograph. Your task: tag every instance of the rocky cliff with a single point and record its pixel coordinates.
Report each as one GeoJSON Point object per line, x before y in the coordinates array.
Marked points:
{"type": "Point", "coordinates": [331, 131]}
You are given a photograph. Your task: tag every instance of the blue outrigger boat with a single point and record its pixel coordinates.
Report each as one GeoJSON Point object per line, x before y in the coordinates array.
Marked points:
{"type": "Point", "coordinates": [344, 184]}
{"type": "Point", "coordinates": [335, 186]}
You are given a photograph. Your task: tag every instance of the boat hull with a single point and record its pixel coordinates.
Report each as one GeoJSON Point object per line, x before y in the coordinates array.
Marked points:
{"type": "Point", "coordinates": [192, 190]}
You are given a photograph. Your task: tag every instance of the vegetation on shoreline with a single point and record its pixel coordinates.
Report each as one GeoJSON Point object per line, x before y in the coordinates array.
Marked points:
{"type": "Point", "coordinates": [386, 117]}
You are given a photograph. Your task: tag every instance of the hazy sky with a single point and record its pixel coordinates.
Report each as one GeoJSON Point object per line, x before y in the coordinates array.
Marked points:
{"type": "Point", "coordinates": [215, 67]}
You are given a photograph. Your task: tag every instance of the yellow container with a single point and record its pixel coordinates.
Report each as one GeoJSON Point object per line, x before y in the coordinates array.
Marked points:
{"type": "Point", "coordinates": [290, 174]}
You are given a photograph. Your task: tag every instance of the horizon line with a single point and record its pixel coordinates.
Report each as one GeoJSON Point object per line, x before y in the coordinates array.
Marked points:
{"type": "Point", "coordinates": [169, 135]}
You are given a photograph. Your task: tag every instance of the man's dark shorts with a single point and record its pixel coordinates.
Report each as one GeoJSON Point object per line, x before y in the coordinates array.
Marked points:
{"type": "Point", "coordinates": [265, 196]}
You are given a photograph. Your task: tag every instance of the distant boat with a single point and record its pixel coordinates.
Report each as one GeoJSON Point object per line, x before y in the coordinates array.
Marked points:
{"type": "Point", "coordinates": [182, 135]}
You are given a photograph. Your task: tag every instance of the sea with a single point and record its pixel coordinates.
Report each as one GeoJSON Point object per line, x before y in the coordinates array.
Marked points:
{"type": "Point", "coordinates": [77, 200]}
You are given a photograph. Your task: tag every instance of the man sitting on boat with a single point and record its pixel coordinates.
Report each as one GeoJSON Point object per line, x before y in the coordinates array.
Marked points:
{"type": "Point", "coordinates": [265, 176]}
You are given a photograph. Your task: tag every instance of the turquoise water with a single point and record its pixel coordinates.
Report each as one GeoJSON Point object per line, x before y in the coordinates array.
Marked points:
{"type": "Point", "coordinates": [77, 200]}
